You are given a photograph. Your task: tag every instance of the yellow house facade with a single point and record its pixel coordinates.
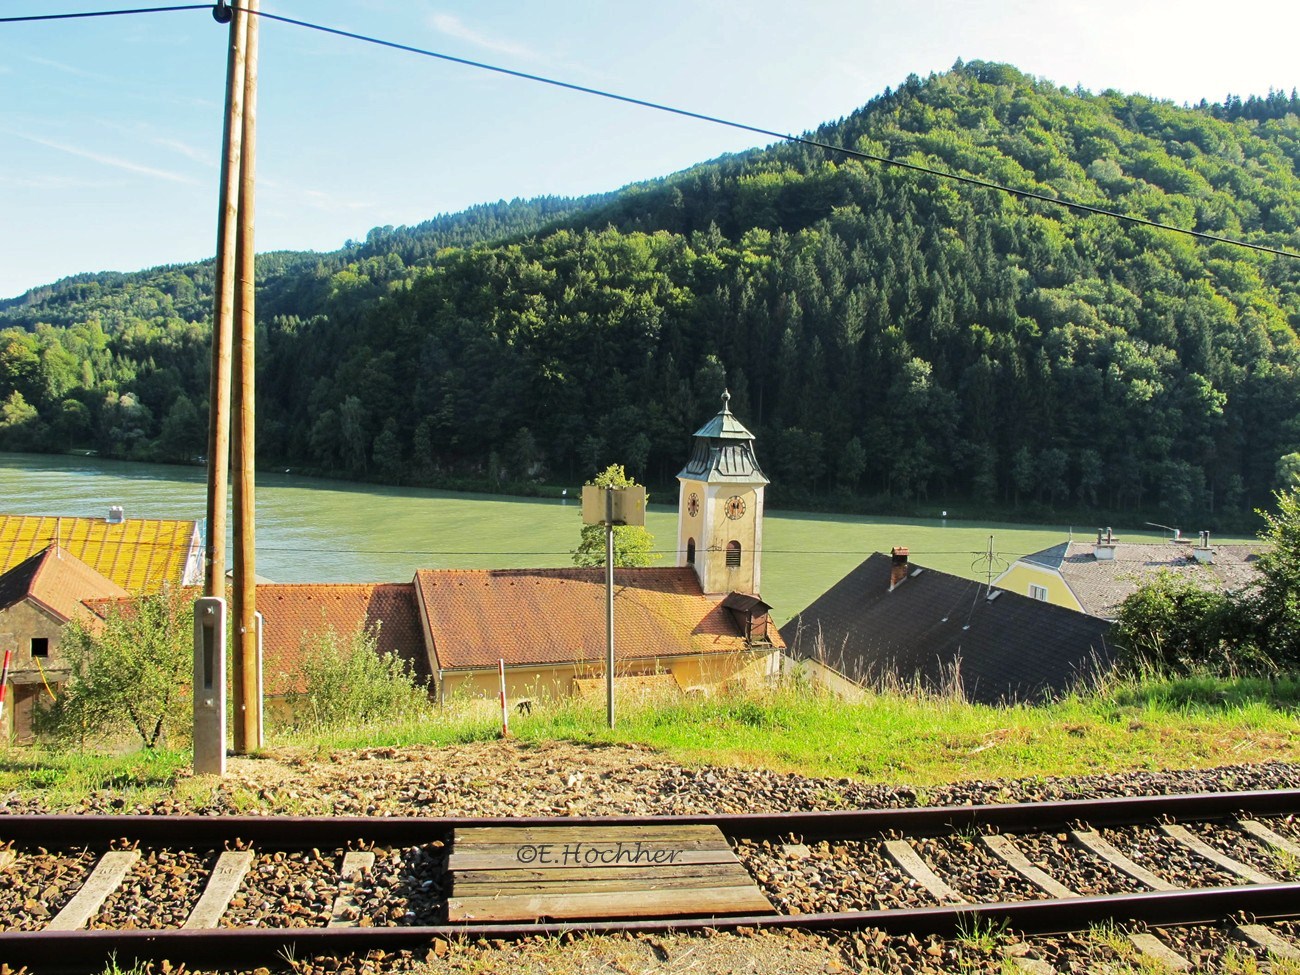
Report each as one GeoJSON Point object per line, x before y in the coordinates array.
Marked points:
{"type": "Point", "coordinates": [1038, 576]}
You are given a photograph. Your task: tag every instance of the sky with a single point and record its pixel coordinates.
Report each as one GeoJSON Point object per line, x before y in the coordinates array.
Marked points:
{"type": "Point", "coordinates": [110, 127]}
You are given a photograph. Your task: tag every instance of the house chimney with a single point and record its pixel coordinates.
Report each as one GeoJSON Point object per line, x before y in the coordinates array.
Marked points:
{"type": "Point", "coordinates": [116, 515]}
{"type": "Point", "coordinates": [898, 571]}
{"type": "Point", "coordinates": [1104, 551]}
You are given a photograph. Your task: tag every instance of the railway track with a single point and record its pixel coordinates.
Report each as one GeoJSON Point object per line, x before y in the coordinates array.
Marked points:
{"type": "Point", "coordinates": [228, 892]}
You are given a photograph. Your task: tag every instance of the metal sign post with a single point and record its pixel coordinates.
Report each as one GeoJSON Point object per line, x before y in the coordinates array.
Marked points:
{"type": "Point", "coordinates": [611, 507]}
{"type": "Point", "coordinates": [609, 603]}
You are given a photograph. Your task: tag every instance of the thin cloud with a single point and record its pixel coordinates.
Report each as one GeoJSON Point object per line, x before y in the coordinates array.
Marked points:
{"type": "Point", "coordinates": [50, 182]}
{"type": "Point", "coordinates": [320, 200]}
{"type": "Point", "coordinates": [104, 160]}
{"type": "Point", "coordinates": [282, 195]}
{"type": "Point", "coordinates": [187, 150]}
{"type": "Point", "coordinates": [453, 26]}
{"type": "Point", "coordinates": [66, 68]}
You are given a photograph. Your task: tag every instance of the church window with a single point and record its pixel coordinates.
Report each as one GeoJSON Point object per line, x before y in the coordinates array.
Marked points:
{"type": "Point", "coordinates": [690, 551]}
{"type": "Point", "coordinates": [733, 555]}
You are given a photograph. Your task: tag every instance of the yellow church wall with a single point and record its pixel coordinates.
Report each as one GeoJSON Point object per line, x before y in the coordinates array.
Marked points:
{"type": "Point", "coordinates": [526, 682]}
{"type": "Point", "coordinates": [708, 672]}
{"type": "Point", "coordinates": [543, 683]}
{"type": "Point", "coordinates": [690, 526]}
{"type": "Point", "coordinates": [1021, 576]}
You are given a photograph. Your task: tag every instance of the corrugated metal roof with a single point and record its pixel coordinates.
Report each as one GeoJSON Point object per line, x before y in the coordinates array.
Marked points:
{"type": "Point", "coordinates": [556, 616]}
{"type": "Point", "coordinates": [139, 554]}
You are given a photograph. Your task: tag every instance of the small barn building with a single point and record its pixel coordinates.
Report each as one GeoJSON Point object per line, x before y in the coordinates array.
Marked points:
{"type": "Point", "coordinates": [39, 597]}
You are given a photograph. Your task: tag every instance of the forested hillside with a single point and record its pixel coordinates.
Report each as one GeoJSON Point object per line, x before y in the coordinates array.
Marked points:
{"type": "Point", "coordinates": [887, 334]}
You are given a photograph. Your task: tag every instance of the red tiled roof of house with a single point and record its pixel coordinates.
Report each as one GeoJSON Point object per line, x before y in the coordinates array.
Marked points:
{"type": "Point", "coordinates": [59, 581]}
{"type": "Point", "coordinates": [292, 613]}
{"type": "Point", "coordinates": [556, 616]}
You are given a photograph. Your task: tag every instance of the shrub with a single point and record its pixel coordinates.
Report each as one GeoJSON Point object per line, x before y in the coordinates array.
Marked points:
{"type": "Point", "coordinates": [348, 682]}
{"type": "Point", "coordinates": [1172, 626]}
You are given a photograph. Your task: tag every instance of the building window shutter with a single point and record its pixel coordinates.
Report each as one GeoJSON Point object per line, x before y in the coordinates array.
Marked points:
{"type": "Point", "coordinates": [733, 555]}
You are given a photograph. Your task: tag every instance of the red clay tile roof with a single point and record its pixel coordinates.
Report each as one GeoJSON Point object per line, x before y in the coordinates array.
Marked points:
{"type": "Point", "coordinates": [556, 616]}
{"type": "Point", "coordinates": [59, 581]}
{"type": "Point", "coordinates": [292, 612]}
{"type": "Point", "coordinates": [139, 554]}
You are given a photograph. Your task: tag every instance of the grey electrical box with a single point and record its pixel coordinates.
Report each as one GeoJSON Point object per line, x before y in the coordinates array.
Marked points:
{"type": "Point", "coordinates": [210, 686]}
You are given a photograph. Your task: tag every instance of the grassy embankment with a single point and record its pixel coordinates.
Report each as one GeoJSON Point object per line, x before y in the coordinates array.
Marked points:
{"type": "Point", "coordinates": [893, 738]}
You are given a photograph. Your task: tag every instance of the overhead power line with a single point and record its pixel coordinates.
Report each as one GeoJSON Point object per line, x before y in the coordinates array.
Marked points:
{"type": "Point", "coordinates": [105, 13]}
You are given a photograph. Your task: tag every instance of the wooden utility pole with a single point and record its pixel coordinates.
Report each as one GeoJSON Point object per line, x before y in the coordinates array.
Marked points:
{"type": "Point", "coordinates": [246, 688]}
{"type": "Point", "coordinates": [210, 611]}
{"type": "Point", "coordinates": [214, 578]}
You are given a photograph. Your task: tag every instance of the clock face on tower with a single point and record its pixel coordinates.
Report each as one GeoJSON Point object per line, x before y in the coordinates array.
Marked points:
{"type": "Point", "coordinates": [693, 504]}
{"type": "Point", "coordinates": [735, 507]}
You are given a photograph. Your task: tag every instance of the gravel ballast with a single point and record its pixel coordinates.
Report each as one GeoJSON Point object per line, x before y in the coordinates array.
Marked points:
{"type": "Point", "coordinates": [507, 778]}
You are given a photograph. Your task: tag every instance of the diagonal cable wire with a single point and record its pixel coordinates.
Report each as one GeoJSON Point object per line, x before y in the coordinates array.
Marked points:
{"type": "Point", "coordinates": [104, 13]}
{"type": "Point", "coordinates": [784, 136]}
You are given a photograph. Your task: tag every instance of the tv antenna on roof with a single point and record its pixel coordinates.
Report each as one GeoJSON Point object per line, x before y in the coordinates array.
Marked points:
{"type": "Point", "coordinates": [1178, 532]}
{"type": "Point", "coordinates": [989, 563]}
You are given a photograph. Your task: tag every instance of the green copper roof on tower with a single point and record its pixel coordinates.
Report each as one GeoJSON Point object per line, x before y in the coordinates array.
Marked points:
{"type": "Point", "coordinates": [724, 424]}
{"type": "Point", "coordinates": [723, 451]}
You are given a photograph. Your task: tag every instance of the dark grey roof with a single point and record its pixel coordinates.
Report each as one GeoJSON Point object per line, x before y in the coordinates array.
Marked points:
{"type": "Point", "coordinates": [723, 451]}
{"type": "Point", "coordinates": [1049, 557]}
{"type": "Point", "coordinates": [1006, 648]}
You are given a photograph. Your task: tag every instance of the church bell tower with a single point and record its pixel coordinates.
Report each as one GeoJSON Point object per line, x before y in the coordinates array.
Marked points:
{"type": "Point", "coordinates": [720, 507]}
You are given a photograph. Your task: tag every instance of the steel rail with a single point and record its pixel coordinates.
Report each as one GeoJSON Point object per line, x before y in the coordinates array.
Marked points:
{"type": "Point", "coordinates": [302, 831]}
{"type": "Point", "coordinates": [83, 950]}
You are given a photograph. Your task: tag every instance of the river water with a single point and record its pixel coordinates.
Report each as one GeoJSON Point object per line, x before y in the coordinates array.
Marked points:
{"type": "Point", "coordinates": [313, 530]}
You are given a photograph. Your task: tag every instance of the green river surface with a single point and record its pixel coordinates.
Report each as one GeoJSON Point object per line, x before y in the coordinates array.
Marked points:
{"type": "Point", "coordinates": [314, 530]}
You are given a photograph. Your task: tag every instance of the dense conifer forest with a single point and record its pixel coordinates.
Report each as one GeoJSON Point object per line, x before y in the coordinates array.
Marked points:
{"type": "Point", "coordinates": [891, 337]}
